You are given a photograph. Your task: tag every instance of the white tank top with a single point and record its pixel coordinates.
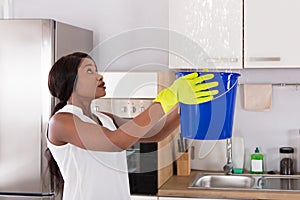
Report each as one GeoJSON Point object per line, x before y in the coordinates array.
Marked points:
{"type": "Point", "coordinates": [91, 175]}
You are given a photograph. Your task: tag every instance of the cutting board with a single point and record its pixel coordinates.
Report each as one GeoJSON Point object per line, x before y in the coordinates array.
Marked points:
{"type": "Point", "coordinates": [211, 154]}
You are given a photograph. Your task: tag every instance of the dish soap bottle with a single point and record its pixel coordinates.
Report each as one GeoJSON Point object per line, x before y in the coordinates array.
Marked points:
{"type": "Point", "coordinates": [257, 162]}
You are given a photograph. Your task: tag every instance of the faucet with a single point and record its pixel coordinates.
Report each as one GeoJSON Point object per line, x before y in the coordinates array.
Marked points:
{"type": "Point", "coordinates": [228, 168]}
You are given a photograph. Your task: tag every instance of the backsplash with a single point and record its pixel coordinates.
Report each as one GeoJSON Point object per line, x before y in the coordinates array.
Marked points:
{"type": "Point", "coordinates": [270, 130]}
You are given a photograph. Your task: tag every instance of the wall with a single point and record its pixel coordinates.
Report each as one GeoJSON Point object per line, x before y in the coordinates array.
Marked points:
{"type": "Point", "coordinates": [108, 19]}
{"type": "Point", "coordinates": [268, 130]}
{"type": "Point", "coordinates": [272, 129]}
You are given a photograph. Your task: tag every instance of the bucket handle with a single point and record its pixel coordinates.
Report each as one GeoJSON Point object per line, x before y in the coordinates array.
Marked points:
{"type": "Point", "coordinates": [226, 91]}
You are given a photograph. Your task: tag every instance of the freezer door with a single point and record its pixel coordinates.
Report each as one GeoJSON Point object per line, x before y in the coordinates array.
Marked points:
{"type": "Point", "coordinates": [25, 59]}
{"type": "Point", "coordinates": [69, 39]}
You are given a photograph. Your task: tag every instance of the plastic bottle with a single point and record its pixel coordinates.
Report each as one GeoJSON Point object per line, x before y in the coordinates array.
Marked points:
{"type": "Point", "coordinates": [238, 154]}
{"type": "Point", "coordinates": [257, 162]}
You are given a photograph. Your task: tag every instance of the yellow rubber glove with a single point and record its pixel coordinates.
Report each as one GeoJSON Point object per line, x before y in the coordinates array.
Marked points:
{"type": "Point", "coordinates": [188, 89]}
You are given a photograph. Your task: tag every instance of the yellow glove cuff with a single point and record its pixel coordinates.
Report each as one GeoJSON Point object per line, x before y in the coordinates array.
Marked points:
{"type": "Point", "coordinates": [167, 99]}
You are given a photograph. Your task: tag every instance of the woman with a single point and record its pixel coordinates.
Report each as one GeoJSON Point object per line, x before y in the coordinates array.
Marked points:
{"type": "Point", "coordinates": [89, 150]}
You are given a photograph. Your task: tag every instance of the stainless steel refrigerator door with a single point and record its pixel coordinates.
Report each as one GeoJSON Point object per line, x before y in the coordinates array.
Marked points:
{"type": "Point", "coordinates": [9, 197]}
{"type": "Point", "coordinates": [25, 59]}
{"type": "Point", "coordinates": [28, 48]}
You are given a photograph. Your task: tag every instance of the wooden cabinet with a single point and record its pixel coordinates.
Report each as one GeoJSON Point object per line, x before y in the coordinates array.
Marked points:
{"type": "Point", "coordinates": [272, 33]}
{"type": "Point", "coordinates": [205, 34]}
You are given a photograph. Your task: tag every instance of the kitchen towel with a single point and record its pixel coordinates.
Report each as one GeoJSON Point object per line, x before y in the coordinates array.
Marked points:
{"type": "Point", "coordinates": [257, 97]}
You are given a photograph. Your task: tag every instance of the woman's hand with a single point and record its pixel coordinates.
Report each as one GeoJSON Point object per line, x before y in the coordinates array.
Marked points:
{"type": "Point", "coordinates": [188, 89]}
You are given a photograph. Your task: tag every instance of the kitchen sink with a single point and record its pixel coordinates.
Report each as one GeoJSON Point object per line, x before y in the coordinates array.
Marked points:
{"type": "Point", "coordinates": [246, 182]}
{"type": "Point", "coordinates": [290, 183]}
{"type": "Point", "coordinates": [221, 181]}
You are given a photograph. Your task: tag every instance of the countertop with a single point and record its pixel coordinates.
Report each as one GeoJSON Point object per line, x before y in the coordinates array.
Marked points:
{"type": "Point", "coordinates": [177, 186]}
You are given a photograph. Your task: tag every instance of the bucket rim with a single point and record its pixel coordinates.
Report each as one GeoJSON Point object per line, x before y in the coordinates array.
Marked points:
{"type": "Point", "coordinates": [221, 73]}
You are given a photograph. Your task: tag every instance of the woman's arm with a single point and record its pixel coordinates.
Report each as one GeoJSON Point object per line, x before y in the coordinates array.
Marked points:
{"type": "Point", "coordinates": [151, 125]}
{"type": "Point", "coordinates": [118, 121]}
{"type": "Point", "coordinates": [164, 127]}
{"type": "Point", "coordinates": [67, 128]}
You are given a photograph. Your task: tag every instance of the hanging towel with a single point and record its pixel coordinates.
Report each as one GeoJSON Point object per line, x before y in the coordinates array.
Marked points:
{"type": "Point", "coordinates": [257, 97]}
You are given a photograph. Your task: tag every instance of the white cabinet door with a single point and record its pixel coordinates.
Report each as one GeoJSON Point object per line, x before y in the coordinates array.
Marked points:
{"type": "Point", "coordinates": [175, 198]}
{"type": "Point", "coordinates": [205, 33]}
{"type": "Point", "coordinates": [272, 33]}
{"type": "Point", "coordinates": [140, 197]}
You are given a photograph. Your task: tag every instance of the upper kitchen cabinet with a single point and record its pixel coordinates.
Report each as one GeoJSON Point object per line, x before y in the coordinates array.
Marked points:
{"type": "Point", "coordinates": [205, 34]}
{"type": "Point", "coordinates": [272, 33]}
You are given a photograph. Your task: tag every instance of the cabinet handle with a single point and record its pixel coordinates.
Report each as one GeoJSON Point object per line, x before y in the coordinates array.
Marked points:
{"type": "Point", "coordinates": [264, 59]}
{"type": "Point", "coordinates": [222, 60]}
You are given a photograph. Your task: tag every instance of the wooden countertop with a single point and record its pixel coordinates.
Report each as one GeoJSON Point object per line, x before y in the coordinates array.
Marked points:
{"type": "Point", "coordinates": [177, 186]}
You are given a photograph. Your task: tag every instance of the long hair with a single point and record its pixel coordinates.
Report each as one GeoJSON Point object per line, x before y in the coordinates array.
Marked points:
{"type": "Point", "coordinates": [61, 81]}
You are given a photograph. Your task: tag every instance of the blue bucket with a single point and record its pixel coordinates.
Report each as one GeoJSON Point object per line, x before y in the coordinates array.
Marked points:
{"type": "Point", "coordinates": [212, 120]}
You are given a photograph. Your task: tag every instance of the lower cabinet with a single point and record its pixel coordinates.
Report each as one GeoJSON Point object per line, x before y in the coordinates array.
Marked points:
{"type": "Point", "coordinates": [175, 198]}
{"type": "Point", "coordinates": [142, 197]}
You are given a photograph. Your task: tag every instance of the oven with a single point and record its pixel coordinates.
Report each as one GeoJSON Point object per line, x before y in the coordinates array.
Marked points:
{"type": "Point", "coordinates": [142, 158]}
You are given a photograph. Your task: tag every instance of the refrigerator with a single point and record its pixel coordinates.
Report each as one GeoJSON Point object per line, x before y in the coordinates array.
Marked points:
{"type": "Point", "coordinates": [28, 49]}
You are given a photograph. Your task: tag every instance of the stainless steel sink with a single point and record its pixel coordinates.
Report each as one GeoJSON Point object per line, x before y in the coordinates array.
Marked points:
{"type": "Point", "coordinates": [289, 183]}
{"type": "Point", "coordinates": [221, 181]}
{"type": "Point", "coordinates": [246, 182]}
